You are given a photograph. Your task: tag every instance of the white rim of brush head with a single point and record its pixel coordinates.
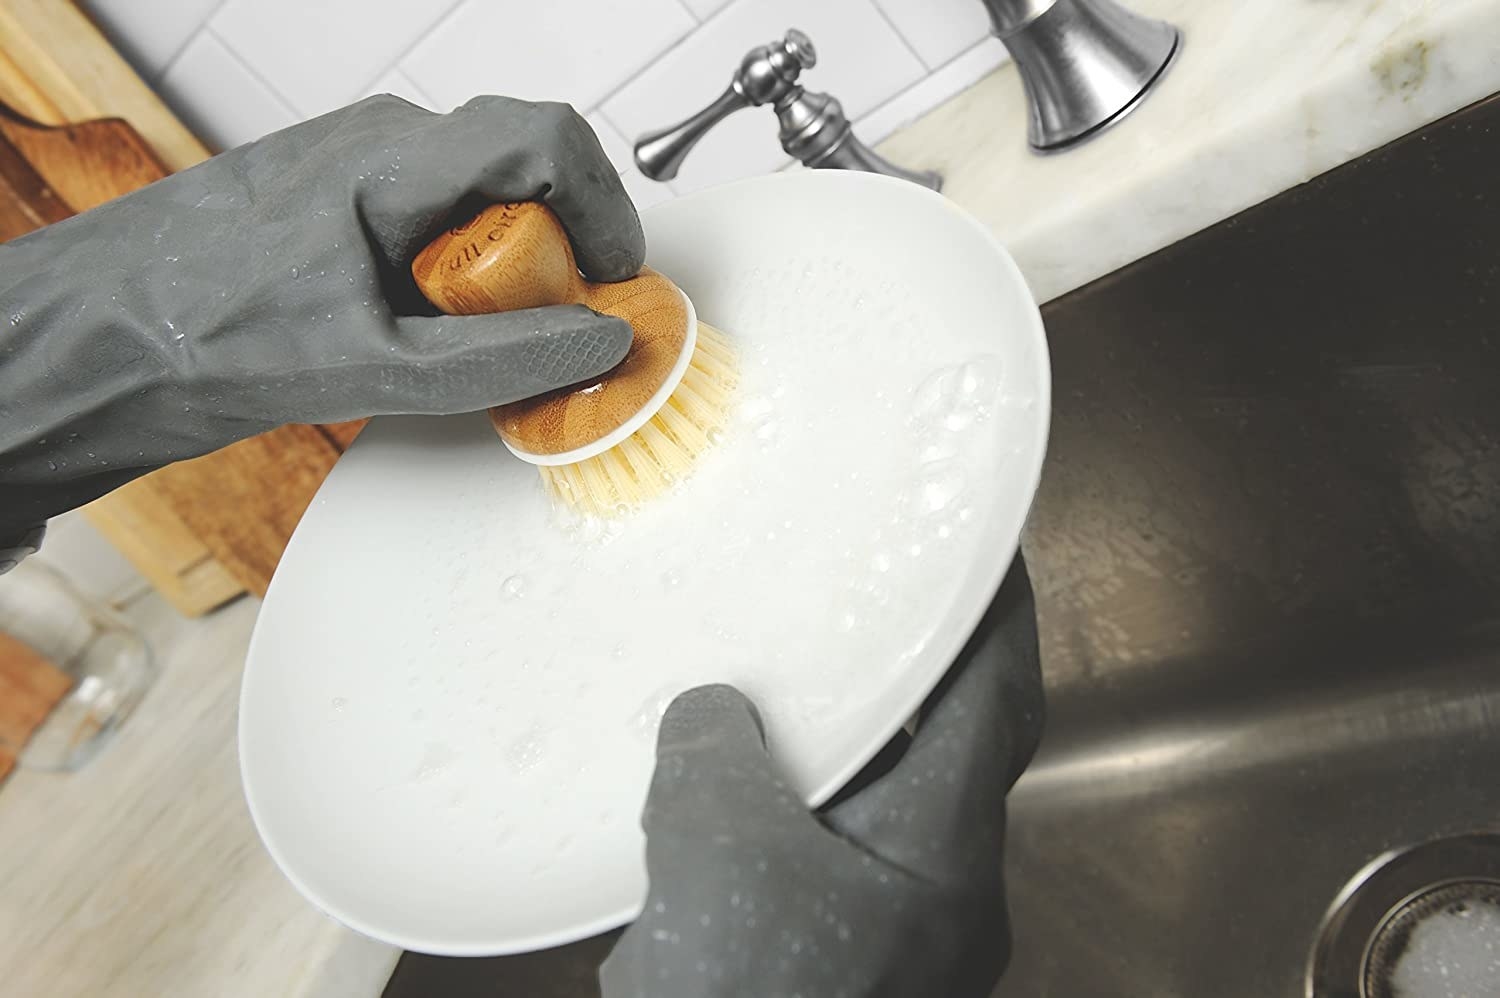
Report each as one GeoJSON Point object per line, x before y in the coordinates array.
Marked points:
{"type": "Point", "coordinates": [643, 416]}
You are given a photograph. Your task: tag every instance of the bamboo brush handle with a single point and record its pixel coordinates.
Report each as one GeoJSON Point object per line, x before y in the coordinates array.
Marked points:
{"type": "Point", "coordinates": [517, 255]}
{"type": "Point", "coordinates": [508, 257]}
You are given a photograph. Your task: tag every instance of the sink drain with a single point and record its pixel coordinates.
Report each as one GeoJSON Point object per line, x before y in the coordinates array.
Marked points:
{"type": "Point", "coordinates": [1443, 943]}
{"type": "Point", "coordinates": [1417, 923]}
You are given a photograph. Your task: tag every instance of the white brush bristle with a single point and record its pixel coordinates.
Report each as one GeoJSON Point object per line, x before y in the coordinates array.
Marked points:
{"type": "Point", "coordinates": [662, 453]}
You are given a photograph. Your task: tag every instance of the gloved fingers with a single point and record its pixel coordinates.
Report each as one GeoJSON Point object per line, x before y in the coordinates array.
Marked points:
{"type": "Point", "coordinates": [941, 808]}
{"type": "Point", "coordinates": [714, 777]}
{"type": "Point", "coordinates": [496, 149]}
{"type": "Point", "coordinates": [446, 364]}
{"type": "Point", "coordinates": [588, 196]}
{"type": "Point", "coordinates": [727, 845]}
{"type": "Point", "coordinates": [994, 686]}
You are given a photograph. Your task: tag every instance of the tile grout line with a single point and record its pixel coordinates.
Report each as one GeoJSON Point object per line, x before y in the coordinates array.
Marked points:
{"type": "Point", "coordinates": [369, 88]}
{"type": "Point", "coordinates": [631, 167]}
{"type": "Point", "coordinates": [929, 75]}
{"type": "Point", "coordinates": [630, 145]}
{"type": "Point", "coordinates": [719, 13]}
{"type": "Point", "coordinates": [603, 112]}
{"type": "Point", "coordinates": [646, 68]}
{"type": "Point", "coordinates": [395, 63]}
{"type": "Point", "coordinates": [904, 40]}
{"type": "Point", "coordinates": [597, 106]}
{"type": "Point", "coordinates": [255, 75]}
{"type": "Point", "coordinates": [177, 53]}
{"type": "Point", "coordinates": [427, 98]}
{"type": "Point", "coordinates": [946, 96]}
{"type": "Point", "coordinates": [612, 127]}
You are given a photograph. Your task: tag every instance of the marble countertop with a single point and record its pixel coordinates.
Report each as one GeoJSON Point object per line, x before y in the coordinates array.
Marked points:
{"type": "Point", "coordinates": [1261, 98]}
{"type": "Point", "coordinates": [142, 874]}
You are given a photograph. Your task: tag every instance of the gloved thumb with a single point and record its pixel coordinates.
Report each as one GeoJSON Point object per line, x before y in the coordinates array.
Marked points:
{"type": "Point", "coordinates": [438, 365]}
{"type": "Point", "coordinates": [716, 716]}
{"type": "Point", "coordinates": [713, 773]}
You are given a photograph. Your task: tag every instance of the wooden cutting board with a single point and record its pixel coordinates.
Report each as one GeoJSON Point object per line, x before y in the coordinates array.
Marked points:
{"type": "Point", "coordinates": [201, 531]}
{"type": "Point", "coordinates": [30, 686]}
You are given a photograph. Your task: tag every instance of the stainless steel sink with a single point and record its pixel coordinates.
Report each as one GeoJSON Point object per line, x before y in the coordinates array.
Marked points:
{"type": "Point", "coordinates": [1267, 557]}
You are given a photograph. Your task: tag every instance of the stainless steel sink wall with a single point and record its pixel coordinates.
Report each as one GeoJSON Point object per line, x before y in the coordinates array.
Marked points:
{"type": "Point", "coordinates": [1267, 557]}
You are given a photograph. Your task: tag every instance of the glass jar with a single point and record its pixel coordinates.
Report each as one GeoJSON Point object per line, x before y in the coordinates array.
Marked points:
{"type": "Point", "coordinates": [107, 661]}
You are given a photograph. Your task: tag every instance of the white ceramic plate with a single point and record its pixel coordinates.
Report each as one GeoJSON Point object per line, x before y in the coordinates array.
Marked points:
{"type": "Point", "coordinates": [451, 696]}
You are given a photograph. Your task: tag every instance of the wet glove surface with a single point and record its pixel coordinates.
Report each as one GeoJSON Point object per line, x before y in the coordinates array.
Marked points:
{"type": "Point", "coordinates": [895, 890]}
{"type": "Point", "coordinates": [270, 285]}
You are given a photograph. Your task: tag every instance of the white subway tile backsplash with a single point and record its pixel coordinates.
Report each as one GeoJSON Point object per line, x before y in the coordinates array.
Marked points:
{"type": "Point", "coordinates": [949, 81]}
{"type": "Point", "coordinates": [400, 85]}
{"type": "Point", "coordinates": [615, 146]}
{"type": "Point", "coordinates": [938, 29]}
{"type": "Point", "coordinates": [240, 68]}
{"type": "Point", "coordinates": [322, 54]}
{"type": "Point", "coordinates": [644, 192]}
{"type": "Point", "coordinates": [150, 34]}
{"type": "Point", "coordinates": [861, 61]}
{"type": "Point", "coordinates": [569, 50]}
{"type": "Point", "coordinates": [218, 98]}
{"type": "Point", "coordinates": [704, 9]}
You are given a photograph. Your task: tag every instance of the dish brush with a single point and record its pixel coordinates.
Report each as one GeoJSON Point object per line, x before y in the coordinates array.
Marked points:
{"type": "Point", "coordinates": [607, 445]}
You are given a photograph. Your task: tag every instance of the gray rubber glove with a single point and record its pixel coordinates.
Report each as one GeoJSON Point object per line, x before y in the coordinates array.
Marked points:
{"type": "Point", "coordinates": [896, 889]}
{"type": "Point", "coordinates": [271, 285]}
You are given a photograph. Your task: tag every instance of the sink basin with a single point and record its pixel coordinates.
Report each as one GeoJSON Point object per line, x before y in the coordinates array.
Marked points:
{"type": "Point", "coordinates": [1267, 558]}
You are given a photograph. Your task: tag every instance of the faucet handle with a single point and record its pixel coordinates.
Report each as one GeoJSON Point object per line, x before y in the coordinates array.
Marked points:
{"type": "Point", "coordinates": [770, 72]}
{"type": "Point", "coordinates": [767, 73]}
{"type": "Point", "coordinates": [815, 130]}
{"type": "Point", "coordinates": [813, 126]}
{"type": "Point", "coordinates": [660, 154]}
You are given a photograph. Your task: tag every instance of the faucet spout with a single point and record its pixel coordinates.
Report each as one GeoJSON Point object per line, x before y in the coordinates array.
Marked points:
{"type": "Point", "coordinates": [1085, 64]}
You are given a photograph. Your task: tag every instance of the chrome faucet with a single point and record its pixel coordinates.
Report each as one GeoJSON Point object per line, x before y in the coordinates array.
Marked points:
{"type": "Point", "coordinates": [1085, 64]}
{"type": "Point", "coordinates": [814, 128]}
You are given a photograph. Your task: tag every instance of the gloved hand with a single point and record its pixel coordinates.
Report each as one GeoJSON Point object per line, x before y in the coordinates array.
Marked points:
{"type": "Point", "coordinates": [896, 889]}
{"type": "Point", "coordinates": [271, 285]}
